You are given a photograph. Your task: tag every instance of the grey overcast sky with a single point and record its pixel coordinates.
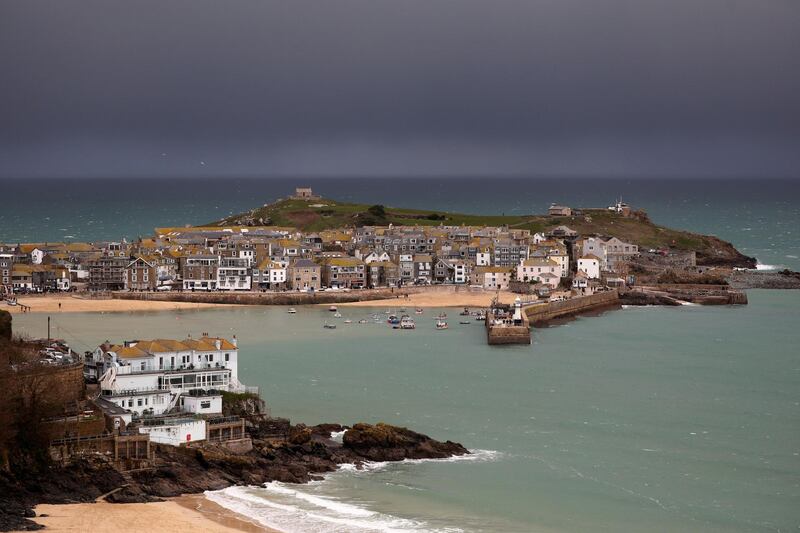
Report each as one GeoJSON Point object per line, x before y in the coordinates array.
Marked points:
{"type": "Point", "coordinates": [400, 87]}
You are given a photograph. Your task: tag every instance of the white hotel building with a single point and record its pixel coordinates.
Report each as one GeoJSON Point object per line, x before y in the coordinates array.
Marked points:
{"type": "Point", "coordinates": [155, 377]}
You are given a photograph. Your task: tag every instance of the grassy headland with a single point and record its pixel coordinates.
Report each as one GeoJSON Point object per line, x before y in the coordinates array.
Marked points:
{"type": "Point", "coordinates": [325, 214]}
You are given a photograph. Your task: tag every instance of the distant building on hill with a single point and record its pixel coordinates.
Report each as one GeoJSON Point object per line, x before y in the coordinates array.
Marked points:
{"type": "Point", "coordinates": [304, 193]}
{"type": "Point", "coordinates": [559, 211]}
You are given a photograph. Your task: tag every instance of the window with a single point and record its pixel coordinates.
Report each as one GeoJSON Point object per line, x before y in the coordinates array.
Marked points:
{"type": "Point", "coordinates": [205, 404]}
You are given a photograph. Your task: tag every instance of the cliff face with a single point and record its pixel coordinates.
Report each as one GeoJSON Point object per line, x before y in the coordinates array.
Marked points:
{"type": "Point", "coordinates": [717, 252]}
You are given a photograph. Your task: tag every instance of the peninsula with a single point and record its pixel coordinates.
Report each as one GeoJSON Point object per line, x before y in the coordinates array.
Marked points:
{"type": "Point", "coordinates": [306, 249]}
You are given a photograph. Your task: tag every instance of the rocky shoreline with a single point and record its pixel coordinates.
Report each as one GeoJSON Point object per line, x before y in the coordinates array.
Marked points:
{"type": "Point", "coordinates": [751, 279]}
{"type": "Point", "coordinates": [305, 455]}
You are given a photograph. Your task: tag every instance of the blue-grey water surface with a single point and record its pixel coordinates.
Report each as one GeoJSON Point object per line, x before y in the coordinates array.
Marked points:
{"type": "Point", "coordinates": [642, 419]}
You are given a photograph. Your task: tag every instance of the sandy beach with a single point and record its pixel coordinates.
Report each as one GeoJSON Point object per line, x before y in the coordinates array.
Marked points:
{"type": "Point", "coordinates": [439, 299]}
{"type": "Point", "coordinates": [78, 304]}
{"type": "Point", "coordinates": [189, 514]}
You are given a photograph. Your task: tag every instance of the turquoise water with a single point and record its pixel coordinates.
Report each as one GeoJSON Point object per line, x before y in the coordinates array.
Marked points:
{"type": "Point", "coordinates": [665, 419]}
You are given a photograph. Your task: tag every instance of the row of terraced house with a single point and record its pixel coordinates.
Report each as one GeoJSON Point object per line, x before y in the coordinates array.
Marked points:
{"type": "Point", "coordinates": [273, 258]}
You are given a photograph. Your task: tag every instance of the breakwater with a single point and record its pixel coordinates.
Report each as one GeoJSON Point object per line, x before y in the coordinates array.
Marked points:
{"type": "Point", "coordinates": [265, 298]}
{"type": "Point", "coordinates": [698, 294]}
{"type": "Point", "coordinates": [541, 314]}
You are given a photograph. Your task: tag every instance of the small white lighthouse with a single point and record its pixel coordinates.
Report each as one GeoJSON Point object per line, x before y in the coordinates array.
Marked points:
{"type": "Point", "coordinates": [517, 309]}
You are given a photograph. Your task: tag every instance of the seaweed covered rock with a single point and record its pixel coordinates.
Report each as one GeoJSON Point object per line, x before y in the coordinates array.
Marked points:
{"type": "Point", "coordinates": [383, 442]}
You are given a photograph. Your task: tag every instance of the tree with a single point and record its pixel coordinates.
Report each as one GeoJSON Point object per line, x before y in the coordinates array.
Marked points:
{"type": "Point", "coordinates": [378, 211]}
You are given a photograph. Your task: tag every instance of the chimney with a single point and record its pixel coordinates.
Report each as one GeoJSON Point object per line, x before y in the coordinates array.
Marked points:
{"type": "Point", "coordinates": [218, 344]}
{"type": "Point", "coordinates": [234, 341]}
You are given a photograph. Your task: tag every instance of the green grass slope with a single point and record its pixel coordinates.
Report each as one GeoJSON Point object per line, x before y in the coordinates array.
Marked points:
{"type": "Point", "coordinates": [322, 214]}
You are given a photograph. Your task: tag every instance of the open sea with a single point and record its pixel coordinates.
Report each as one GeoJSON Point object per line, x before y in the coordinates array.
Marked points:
{"type": "Point", "coordinates": [760, 216]}
{"type": "Point", "coordinates": [642, 419]}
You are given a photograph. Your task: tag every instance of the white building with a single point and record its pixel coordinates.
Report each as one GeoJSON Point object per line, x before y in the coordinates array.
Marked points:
{"type": "Point", "coordinates": [594, 246]}
{"type": "Point", "coordinates": [483, 258]}
{"type": "Point", "coordinates": [589, 265]}
{"type": "Point", "coordinates": [539, 270]}
{"type": "Point", "coordinates": [233, 274]}
{"type": "Point", "coordinates": [175, 431]}
{"type": "Point", "coordinates": [154, 377]}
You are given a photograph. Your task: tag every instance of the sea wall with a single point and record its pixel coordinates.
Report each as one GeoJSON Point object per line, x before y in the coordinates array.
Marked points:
{"type": "Point", "coordinates": [699, 294]}
{"type": "Point", "coordinates": [541, 314]}
{"type": "Point", "coordinates": [290, 297]}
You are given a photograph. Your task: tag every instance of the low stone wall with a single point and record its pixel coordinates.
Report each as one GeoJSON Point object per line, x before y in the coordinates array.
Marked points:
{"type": "Point", "coordinates": [289, 297]}
{"type": "Point", "coordinates": [699, 294]}
{"type": "Point", "coordinates": [542, 313]}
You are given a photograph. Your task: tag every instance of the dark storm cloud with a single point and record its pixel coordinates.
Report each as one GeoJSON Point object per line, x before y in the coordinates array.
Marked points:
{"type": "Point", "coordinates": [403, 86]}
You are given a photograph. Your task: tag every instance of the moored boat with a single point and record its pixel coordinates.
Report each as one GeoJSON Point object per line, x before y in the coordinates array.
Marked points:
{"type": "Point", "coordinates": [291, 310]}
{"type": "Point", "coordinates": [329, 326]}
{"type": "Point", "coordinates": [407, 323]}
{"type": "Point", "coordinates": [441, 324]}
{"type": "Point", "coordinates": [465, 312]}
{"type": "Point", "coordinates": [418, 310]}
{"type": "Point", "coordinates": [333, 309]}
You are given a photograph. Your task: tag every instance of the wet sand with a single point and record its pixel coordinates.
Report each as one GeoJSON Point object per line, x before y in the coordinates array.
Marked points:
{"type": "Point", "coordinates": [78, 304]}
{"type": "Point", "coordinates": [189, 514]}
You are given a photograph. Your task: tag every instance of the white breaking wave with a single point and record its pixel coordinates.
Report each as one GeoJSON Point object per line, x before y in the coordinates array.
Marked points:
{"type": "Point", "coordinates": [295, 508]}
{"type": "Point", "coordinates": [298, 512]}
{"type": "Point", "coordinates": [760, 266]}
{"type": "Point", "coordinates": [337, 435]}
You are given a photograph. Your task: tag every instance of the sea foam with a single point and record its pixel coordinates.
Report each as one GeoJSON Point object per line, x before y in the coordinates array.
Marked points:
{"type": "Point", "coordinates": [296, 508]}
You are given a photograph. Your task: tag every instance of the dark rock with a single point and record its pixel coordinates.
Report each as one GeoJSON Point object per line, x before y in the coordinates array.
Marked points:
{"type": "Point", "coordinates": [306, 455]}
{"type": "Point", "coordinates": [383, 442]}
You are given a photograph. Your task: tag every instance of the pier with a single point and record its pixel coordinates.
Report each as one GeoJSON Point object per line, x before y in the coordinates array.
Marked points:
{"type": "Point", "coordinates": [507, 324]}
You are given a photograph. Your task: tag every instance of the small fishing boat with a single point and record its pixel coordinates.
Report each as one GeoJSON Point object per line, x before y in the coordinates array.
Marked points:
{"type": "Point", "coordinates": [11, 301]}
{"type": "Point", "coordinates": [329, 326]}
{"type": "Point", "coordinates": [464, 322]}
{"type": "Point", "coordinates": [393, 319]}
{"type": "Point", "coordinates": [480, 317]}
{"type": "Point", "coordinates": [407, 323]}
{"type": "Point", "coordinates": [348, 321]}
{"type": "Point", "coordinates": [337, 315]}
{"type": "Point", "coordinates": [465, 312]}
{"type": "Point", "coordinates": [441, 324]}
{"type": "Point", "coordinates": [291, 310]}
{"type": "Point", "coordinates": [362, 321]}
{"type": "Point", "coordinates": [332, 309]}
{"type": "Point", "coordinates": [418, 310]}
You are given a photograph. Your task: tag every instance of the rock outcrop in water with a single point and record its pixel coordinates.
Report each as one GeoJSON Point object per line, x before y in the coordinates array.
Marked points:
{"type": "Point", "coordinates": [383, 442]}
{"type": "Point", "coordinates": [307, 453]}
